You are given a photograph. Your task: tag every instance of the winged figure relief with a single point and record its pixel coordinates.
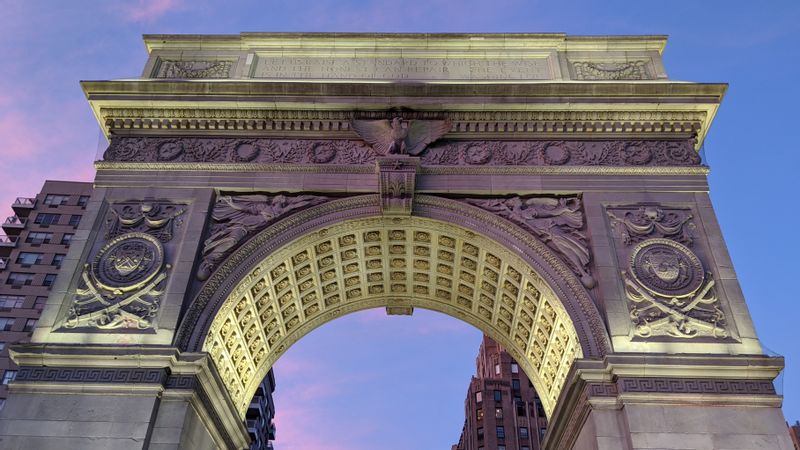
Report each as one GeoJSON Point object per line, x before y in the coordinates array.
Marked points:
{"type": "Point", "coordinates": [398, 136]}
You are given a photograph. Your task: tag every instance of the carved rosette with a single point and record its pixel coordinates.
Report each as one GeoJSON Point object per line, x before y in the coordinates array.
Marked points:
{"type": "Point", "coordinates": [669, 291]}
{"type": "Point", "coordinates": [121, 287]}
{"type": "Point", "coordinates": [650, 153]}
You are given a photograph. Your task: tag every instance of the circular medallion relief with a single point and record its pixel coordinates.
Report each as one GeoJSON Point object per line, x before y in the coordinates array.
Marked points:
{"type": "Point", "coordinates": [127, 262]}
{"type": "Point", "coordinates": [666, 268]}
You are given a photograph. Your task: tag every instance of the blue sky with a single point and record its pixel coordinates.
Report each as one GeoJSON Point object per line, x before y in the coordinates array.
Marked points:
{"type": "Point", "coordinates": [368, 381]}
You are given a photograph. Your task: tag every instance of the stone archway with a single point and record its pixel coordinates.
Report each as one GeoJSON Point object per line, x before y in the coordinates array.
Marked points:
{"type": "Point", "coordinates": [341, 257]}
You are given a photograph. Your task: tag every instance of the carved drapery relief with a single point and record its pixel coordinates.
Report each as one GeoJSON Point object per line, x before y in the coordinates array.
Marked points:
{"type": "Point", "coordinates": [669, 291]}
{"type": "Point", "coordinates": [193, 69]}
{"type": "Point", "coordinates": [444, 153]}
{"type": "Point", "coordinates": [121, 287]}
{"type": "Point", "coordinates": [556, 221]}
{"type": "Point", "coordinates": [630, 70]}
{"type": "Point", "coordinates": [237, 216]}
{"type": "Point", "coordinates": [397, 178]}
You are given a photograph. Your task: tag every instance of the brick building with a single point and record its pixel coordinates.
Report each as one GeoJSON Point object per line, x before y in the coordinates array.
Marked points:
{"type": "Point", "coordinates": [35, 243]}
{"type": "Point", "coordinates": [503, 411]}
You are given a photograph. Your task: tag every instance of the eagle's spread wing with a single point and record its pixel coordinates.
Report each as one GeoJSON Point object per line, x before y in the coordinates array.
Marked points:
{"type": "Point", "coordinates": [423, 132]}
{"type": "Point", "coordinates": [377, 133]}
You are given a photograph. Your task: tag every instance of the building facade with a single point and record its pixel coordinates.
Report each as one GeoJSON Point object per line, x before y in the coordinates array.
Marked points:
{"type": "Point", "coordinates": [37, 239]}
{"type": "Point", "coordinates": [502, 409]}
{"type": "Point", "coordinates": [260, 415]}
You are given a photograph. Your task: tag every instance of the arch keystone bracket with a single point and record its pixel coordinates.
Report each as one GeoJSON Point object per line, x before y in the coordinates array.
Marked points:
{"type": "Point", "coordinates": [397, 178]}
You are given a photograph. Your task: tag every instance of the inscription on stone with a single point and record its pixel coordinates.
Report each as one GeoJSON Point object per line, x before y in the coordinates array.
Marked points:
{"type": "Point", "coordinates": [537, 68]}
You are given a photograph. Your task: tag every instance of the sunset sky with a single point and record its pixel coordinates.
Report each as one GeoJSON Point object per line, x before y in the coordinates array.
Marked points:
{"type": "Point", "coordinates": [369, 381]}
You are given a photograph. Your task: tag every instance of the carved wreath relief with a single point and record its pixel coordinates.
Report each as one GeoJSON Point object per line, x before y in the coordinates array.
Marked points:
{"type": "Point", "coordinates": [122, 285]}
{"type": "Point", "coordinates": [670, 292]}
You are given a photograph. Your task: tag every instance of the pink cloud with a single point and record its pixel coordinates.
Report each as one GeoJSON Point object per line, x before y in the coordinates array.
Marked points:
{"type": "Point", "coordinates": [149, 10]}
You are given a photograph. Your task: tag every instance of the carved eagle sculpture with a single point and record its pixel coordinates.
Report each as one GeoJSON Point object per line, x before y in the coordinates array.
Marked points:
{"type": "Point", "coordinates": [400, 136]}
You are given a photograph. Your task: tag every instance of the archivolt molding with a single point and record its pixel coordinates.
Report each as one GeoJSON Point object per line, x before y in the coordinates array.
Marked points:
{"type": "Point", "coordinates": [378, 261]}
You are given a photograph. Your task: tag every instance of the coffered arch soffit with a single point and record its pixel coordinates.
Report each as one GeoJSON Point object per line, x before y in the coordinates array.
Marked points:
{"type": "Point", "coordinates": [342, 256]}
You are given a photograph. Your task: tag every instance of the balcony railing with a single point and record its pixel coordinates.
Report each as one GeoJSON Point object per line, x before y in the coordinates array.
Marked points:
{"type": "Point", "coordinates": [24, 202]}
{"type": "Point", "coordinates": [14, 221]}
{"type": "Point", "coordinates": [8, 241]}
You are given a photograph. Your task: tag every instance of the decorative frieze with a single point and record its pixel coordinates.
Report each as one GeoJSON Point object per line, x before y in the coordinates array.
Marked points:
{"type": "Point", "coordinates": [236, 217]}
{"type": "Point", "coordinates": [397, 180]}
{"type": "Point", "coordinates": [447, 153]}
{"type": "Point", "coordinates": [557, 221]}
{"type": "Point", "coordinates": [669, 291]}
{"type": "Point", "coordinates": [168, 68]}
{"type": "Point", "coordinates": [77, 374]}
{"type": "Point", "coordinates": [627, 70]}
{"type": "Point", "coordinates": [122, 285]}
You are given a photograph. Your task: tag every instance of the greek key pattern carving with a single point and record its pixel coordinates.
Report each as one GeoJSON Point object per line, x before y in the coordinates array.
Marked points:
{"type": "Point", "coordinates": [370, 261]}
{"type": "Point", "coordinates": [181, 382]}
{"type": "Point", "coordinates": [122, 285]}
{"type": "Point", "coordinates": [235, 217]}
{"type": "Point", "coordinates": [669, 291]}
{"type": "Point", "coordinates": [91, 375]}
{"type": "Point", "coordinates": [557, 221]}
{"type": "Point", "coordinates": [695, 386]}
{"type": "Point", "coordinates": [193, 69]}
{"type": "Point", "coordinates": [679, 153]}
{"type": "Point", "coordinates": [630, 70]}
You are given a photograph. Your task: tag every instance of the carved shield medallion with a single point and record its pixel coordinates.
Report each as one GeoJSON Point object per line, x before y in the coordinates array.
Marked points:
{"type": "Point", "coordinates": [666, 268]}
{"type": "Point", "coordinates": [127, 262]}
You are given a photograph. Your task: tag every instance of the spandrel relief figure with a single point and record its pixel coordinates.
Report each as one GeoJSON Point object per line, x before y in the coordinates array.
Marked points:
{"type": "Point", "coordinates": [556, 221]}
{"type": "Point", "coordinates": [237, 216]}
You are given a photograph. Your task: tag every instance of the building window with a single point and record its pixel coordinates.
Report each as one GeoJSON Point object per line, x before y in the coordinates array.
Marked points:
{"type": "Point", "coordinates": [74, 220]}
{"type": "Point", "coordinates": [497, 369]}
{"type": "Point", "coordinates": [514, 368]}
{"type": "Point", "coordinates": [49, 279]}
{"type": "Point", "coordinates": [19, 278]}
{"type": "Point", "coordinates": [56, 199]}
{"type": "Point", "coordinates": [2, 346]}
{"type": "Point", "coordinates": [478, 397]}
{"type": "Point", "coordinates": [501, 433]}
{"type": "Point", "coordinates": [515, 385]}
{"type": "Point", "coordinates": [9, 375]}
{"type": "Point", "coordinates": [29, 258]}
{"type": "Point", "coordinates": [6, 323]}
{"type": "Point", "coordinates": [520, 409]}
{"type": "Point", "coordinates": [542, 432]}
{"type": "Point", "coordinates": [479, 414]}
{"type": "Point", "coordinates": [11, 301]}
{"type": "Point", "coordinates": [498, 396]}
{"type": "Point", "coordinates": [38, 238]}
{"type": "Point", "coordinates": [498, 413]}
{"type": "Point", "coordinates": [47, 219]}
{"type": "Point", "coordinates": [480, 433]}
{"type": "Point", "coordinates": [58, 258]}
{"type": "Point", "coordinates": [523, 432]}
{"type": "Point", "coordinates": [501, 447]}
{"type": "Point", "coordinates": [539, 408]}
{"type": "Point", "coordinates": [83, 200]}
{"type": "Point", "coordinates": [30, 324]}
{"type": "Point", "coordinates": [66, 239]}
{"type": "Point", "coordinates": [525, 447]}
{"type": "Point", "coordinates": [39, 304]}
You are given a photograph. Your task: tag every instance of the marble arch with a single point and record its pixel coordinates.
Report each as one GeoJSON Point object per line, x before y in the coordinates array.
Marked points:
{"type": "Point", "coordinates": [341, 257]}
{"type": "Point", "coordinates": [438, 149]}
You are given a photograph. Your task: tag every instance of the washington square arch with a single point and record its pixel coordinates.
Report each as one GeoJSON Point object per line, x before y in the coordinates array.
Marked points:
{"type": "Point", "coordinates": [547, 189]}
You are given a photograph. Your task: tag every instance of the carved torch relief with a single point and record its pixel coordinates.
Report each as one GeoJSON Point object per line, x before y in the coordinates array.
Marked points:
{"type": "Point", "coordinates": [669, 291]}
{"type": "Point", "coordinates": [121, 286]}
